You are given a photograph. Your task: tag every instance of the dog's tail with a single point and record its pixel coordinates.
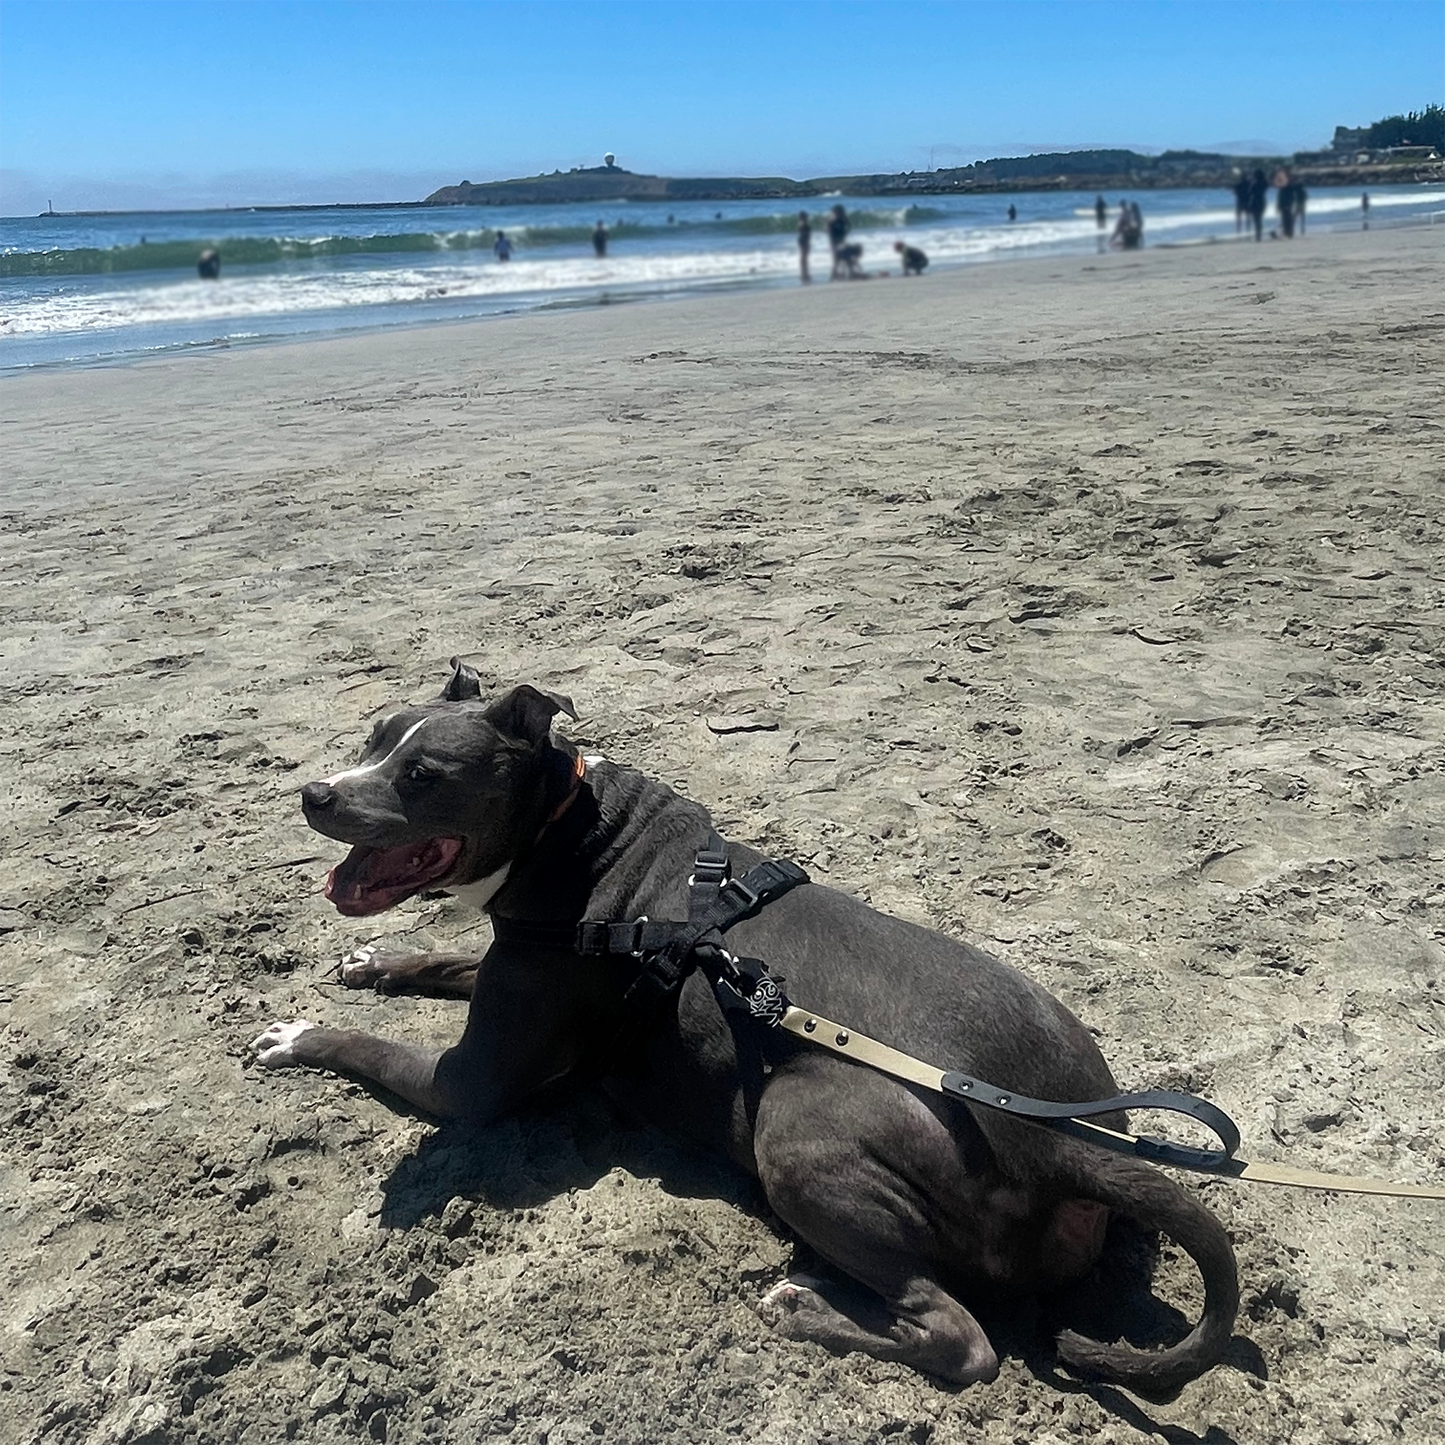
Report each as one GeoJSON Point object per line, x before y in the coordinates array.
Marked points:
{"type": "Point", "coordinates": [1154, 1201]}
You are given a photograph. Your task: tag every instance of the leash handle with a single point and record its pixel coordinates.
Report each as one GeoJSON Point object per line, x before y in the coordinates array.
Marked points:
{"type": "Point", "coordinates": [1057, 1115]}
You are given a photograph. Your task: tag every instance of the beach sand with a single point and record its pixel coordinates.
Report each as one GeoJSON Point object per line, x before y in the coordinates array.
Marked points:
{"type": "Point", "coordinates": [1088, 609]}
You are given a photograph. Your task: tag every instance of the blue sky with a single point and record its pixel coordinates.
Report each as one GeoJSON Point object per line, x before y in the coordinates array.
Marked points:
{"type": "Point", "coordinates": [187, 103]}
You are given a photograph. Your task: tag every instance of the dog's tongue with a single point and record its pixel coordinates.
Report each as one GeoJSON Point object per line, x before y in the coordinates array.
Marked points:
{"type": "Point", "coordinates": [371, 880]}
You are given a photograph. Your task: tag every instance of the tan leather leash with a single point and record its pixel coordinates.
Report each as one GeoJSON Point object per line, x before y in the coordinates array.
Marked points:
{"type": "Point", "coordinates": [859, 1047]}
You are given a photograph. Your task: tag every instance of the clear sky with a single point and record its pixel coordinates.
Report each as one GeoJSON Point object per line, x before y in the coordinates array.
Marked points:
{"type": "Point", "coordinates": [186, 103]}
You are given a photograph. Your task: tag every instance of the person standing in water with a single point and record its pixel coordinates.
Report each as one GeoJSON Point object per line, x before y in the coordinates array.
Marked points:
{"type": "Point", "coordinates": [1258, 194]}
{"type": "Point", "coordinates": [502, 247]}
{"type": "Point", "coordinates": [599, 239]}
{"type": "Point", "coordinates": [805, 244]}
{"type": "Point", "coordinates": [837, 233]}
{"type": "Point", "coordinates": [1013, 212]}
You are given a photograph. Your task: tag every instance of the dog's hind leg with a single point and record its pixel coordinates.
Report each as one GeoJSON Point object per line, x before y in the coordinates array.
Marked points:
{"type": "Point", "coordinates": [920, 1325]}
{"type": "Point", "coordinates": [442, 975]}
{"type": "Point", "coordinates": [822, 1143]}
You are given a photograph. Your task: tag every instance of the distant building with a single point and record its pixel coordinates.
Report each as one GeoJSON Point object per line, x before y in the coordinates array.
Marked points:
{"type": "Point", "coordinates": [1350, 139]}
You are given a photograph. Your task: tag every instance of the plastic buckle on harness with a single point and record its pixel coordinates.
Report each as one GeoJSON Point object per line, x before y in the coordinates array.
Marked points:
{"type": "Point", "coordinates": [709, 868]}
{"type": "Point", "coordinates": [740, 890]}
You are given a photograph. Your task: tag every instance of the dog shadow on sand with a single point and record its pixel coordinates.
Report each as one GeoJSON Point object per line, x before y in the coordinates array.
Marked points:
{"type": "Point", "coordinates": [574, 1138]}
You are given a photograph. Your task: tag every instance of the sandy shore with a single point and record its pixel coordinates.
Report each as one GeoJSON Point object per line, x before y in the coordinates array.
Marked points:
{"type": "Point", "coordinates": [1095, 607]}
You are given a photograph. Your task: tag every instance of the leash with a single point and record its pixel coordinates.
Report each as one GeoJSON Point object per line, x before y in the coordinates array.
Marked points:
{"type": "Point", "coordinates": [667, 952]}
{"type": "Point", "coordinates": [1066, 1118]}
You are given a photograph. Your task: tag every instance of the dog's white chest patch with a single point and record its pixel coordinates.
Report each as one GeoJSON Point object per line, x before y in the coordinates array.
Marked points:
{"type": "Point", "coordinates": [477, 895]}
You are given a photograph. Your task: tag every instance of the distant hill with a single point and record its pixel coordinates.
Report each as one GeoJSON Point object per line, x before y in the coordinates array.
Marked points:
{"type": "Point", "coordinates": [613, 183]}
{"type": "Point", "coordinates": [1087, 170]}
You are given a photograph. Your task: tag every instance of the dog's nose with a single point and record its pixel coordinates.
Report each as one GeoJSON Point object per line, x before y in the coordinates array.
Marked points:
{"type": "Point", "coordinates": [318, 795]}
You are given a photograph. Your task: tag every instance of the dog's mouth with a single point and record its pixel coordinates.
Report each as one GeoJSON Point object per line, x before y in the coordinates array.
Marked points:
{"type": "Point", "coordinates": [371, 880]}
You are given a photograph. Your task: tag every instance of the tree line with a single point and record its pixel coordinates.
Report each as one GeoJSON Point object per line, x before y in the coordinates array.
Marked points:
{"type": "Point", "coordinates": [1415, 128]}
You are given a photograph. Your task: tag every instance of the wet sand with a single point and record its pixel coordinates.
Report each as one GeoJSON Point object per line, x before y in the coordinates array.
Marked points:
{"type": "Point", "coordinates": [1090, 610]}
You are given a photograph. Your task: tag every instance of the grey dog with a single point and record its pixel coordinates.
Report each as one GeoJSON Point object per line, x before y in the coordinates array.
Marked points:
{"type": "Point", "coordinates": [917, 1200]}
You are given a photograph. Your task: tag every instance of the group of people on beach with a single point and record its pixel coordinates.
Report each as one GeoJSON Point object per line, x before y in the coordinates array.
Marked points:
{"type": "Point", "coordinates": [848, 255]}
{"type": "Point", "coordinates": [1251, 191]}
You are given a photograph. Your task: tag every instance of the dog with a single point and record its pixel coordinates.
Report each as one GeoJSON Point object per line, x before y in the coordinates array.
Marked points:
{"type": "Point", "coordinates": [919, 1201]}
{"type": "Point", "coordinates": [847, 262]}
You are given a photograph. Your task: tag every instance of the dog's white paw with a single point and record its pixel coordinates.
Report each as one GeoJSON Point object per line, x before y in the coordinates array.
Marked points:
{"type": "Point", "coordinates": [356, 967]}
{"type": "Point", "coordinates": [276, 1048]}
{"type": "Point", "coordinates": [789, 1297]}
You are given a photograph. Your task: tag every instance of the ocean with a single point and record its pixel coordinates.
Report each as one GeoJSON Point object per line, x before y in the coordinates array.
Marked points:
{"type": "Point", "coordinates": [82, 289]}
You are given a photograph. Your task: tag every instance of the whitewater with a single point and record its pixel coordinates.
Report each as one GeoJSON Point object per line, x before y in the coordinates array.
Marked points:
{"type": "Point", "coordinates": [81, 289]}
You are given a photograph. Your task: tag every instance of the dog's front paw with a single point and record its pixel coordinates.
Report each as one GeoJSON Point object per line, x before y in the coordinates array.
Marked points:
{"type": "Point", "coordinates": [276, 1048]}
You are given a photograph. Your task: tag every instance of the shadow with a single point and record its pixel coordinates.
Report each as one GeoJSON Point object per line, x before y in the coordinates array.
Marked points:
{"type": "Point", "coordinates": [573, 1136]}
{"type": "Point", "coordinates": [566, 1140]}
{"type": "Point", "coordinates": [1116, 1301]}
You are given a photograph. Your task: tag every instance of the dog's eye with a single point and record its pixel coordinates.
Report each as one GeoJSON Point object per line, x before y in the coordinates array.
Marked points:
{"type": "Point", "coordinates": [420, 773]}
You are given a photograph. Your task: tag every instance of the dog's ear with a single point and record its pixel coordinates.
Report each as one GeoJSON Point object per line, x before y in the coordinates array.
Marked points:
{"type": "Point", "coordinates": [464, 684]}
{"type": "Point", "coordinates": [527, 712]}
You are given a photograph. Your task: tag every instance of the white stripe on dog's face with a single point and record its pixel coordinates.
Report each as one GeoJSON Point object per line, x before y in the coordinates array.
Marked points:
{"type": "Point", "coordinates": [380, 762]}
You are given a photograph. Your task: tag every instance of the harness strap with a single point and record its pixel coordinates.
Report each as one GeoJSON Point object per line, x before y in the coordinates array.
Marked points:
{"type": "Point", "coordinates": [715, 903]}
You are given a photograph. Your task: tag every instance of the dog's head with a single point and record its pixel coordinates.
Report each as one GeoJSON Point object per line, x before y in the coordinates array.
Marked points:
{"type": "Point", "coordinates": [446, 793]}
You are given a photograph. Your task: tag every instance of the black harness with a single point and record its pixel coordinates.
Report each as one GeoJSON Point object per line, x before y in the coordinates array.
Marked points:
{"type": "Point", "coordinates": [666, 953]}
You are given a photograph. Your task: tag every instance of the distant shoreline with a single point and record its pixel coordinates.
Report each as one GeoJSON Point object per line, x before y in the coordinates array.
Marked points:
{"type": "Point", "coordinates": [1065, 171]}
{"type": "Point", "coordinates": [578, 187]}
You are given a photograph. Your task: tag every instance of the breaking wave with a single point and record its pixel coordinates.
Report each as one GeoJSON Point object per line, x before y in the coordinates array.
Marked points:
{"type": "Point", "coordinates": [280, 250]}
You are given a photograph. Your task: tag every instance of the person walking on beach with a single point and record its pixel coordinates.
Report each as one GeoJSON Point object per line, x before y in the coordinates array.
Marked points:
{"type": "Point", "coordinates": [1300, 197]}
{"type": "Point", "coordinates": [805, 244]}
{"type": "Point", "coordinates": [1258, 193]}
{"type": "Point", "coordinates": [1284, 200]}
{"type": "Point", "coordinates": [599, 239]}
{"type": "Point", "coordinates": [502, 247]}
{"type": "Point", "coordinates": [837, 234]}
{"type": "Point", "coordinates": [1241, 202]}
{"type": "Point", "coordinates": [1364, 210]}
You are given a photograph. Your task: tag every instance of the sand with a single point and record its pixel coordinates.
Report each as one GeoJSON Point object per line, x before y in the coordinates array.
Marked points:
{"type": "Point", "coordinates": [1090, 610]}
